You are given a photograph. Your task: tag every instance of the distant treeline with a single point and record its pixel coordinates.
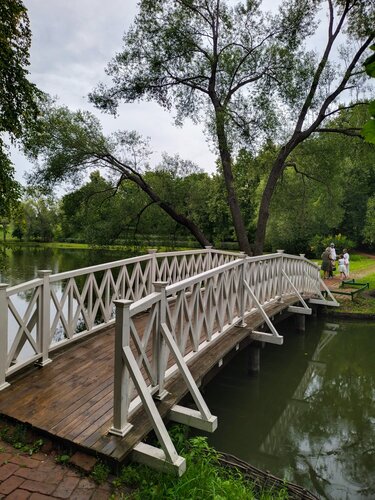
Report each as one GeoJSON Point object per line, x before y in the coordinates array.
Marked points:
{"type": "Point", "coordinates": [327, 192]}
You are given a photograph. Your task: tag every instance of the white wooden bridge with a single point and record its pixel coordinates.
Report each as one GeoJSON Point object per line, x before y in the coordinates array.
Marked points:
{"type": "Point", "coordinates": [102, 355]}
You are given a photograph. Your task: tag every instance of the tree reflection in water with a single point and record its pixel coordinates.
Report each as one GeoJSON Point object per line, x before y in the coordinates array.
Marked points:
{"type": "Point", "coordinates": [328, 428]}
{"type": "Point", "coordinates": [309, 414]}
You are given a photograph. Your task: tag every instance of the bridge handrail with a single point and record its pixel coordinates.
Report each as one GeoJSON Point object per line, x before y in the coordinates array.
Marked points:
{"type": "Point", "coordinates": [23, 287]}
{"type": "Point", "coordinates": [86, 297]}
{"type": "Point", "coordinates": [188, 282]}
{"type": "Point", "coordinates": [204, 307]}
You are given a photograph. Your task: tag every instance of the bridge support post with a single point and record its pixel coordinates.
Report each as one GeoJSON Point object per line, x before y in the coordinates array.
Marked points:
{"type": "Point", "coordinates": [160, 356]}
{"type": "Point", "coordinates": [121, 398]}
{"type": "Point", "coordinates": [3, 334]}
{"type": "Point", "coordinates": [301, 322]}
{"type": "Point", "coordinates": [254, 358]}
{"type": "Point", "coordinates": [44, 319]}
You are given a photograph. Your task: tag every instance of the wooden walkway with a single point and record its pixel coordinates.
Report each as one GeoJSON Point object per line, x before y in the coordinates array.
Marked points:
{"type": "Point", "coordinates": [72, 397]}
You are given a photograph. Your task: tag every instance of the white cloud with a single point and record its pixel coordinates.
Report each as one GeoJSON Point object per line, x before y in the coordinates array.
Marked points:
{"type": "Point", "coordinates": [72, 42]}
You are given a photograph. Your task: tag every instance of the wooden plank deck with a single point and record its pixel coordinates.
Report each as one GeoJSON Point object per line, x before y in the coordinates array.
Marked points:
{"type": "Point", "coordinates": [72, 397]}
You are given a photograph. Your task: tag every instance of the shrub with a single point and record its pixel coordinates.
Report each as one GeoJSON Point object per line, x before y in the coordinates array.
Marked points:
{"type": "Point", "coordinates": [318, 243]}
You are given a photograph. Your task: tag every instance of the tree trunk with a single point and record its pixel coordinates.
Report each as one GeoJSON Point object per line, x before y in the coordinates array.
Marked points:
{"type": "Point", "coordinates": [264, 208]}
{"type": "Point", "coordinates": [226, 161]}
{"type": "Point", "coordinates": [263, 216]}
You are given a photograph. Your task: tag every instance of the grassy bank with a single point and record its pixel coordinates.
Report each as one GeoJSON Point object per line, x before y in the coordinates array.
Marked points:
{"type": "Point", "coordinates": [362, 269]}
{"type": "Point", "coordinates": [136, 249]}
{"type": "Point", "coordinates": [204, 478]}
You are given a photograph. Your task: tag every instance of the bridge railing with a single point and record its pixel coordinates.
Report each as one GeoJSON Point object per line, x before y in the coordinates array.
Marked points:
{"type": "Point", "coordinates": [195, 311]}
{"type": "Point", "coordinates": [53, 310]}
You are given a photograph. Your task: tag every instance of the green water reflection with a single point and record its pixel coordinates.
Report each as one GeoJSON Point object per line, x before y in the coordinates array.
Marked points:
{"type": "Point", "coordinates": [19, 264]}
{"type": "Point", "coordinates": [310, 414]}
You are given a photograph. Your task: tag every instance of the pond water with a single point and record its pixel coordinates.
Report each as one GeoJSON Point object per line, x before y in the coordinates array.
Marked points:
{"type": "Point", "coordinates": [309, 415]}
{"type": "Point", "coordinates": [19, 264]}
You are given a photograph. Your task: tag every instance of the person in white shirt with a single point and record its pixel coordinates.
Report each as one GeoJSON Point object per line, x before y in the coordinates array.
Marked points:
{"type": "Point", "coordinates": [342, 267]}
{"type": "Point", "coordinates": [346, 261]}
{"type": "Point", "coordinates": [333, 257]}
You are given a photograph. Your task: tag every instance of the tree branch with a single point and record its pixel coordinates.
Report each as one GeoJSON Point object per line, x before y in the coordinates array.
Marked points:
{"type": "Point", "coordinates": [351, 132]}
{"type": "Point", "coordinates": [332, 35]}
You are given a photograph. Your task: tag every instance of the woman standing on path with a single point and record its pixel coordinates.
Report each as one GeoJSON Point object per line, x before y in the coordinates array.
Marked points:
{"type": "Point", "coordinates": [333, 257]}
{"type": "Point", "coordinates": [326, 262]}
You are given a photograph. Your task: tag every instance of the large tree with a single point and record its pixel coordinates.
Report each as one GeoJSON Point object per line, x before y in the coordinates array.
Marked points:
{"type": "Point", "coordinates": [246, 74]}
{"type": "Point", "coordinates": [18, 96]}
{"type": "Point", "coordinates": [67, 145]}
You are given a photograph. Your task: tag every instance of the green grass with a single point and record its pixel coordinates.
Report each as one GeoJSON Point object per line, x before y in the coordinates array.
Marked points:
{"type": "Point", "coordinates": [360, 263]}
{"type": "Point", "coordinates": [362, 303]}
{"type": "Point", "coordinates": [18, 438]}
{"type": "Point", "coordinates": [204, 478]}
{"type": "Point", "coordinates": [137, 250]}
{"type": "Point", "coordinates": [100, 473]}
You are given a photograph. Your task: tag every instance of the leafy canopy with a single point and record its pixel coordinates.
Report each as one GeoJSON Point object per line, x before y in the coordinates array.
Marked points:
{"type": "Point", "coordinates": [18, 96]}
{"type": "Point", "coordinates": [194, 56]}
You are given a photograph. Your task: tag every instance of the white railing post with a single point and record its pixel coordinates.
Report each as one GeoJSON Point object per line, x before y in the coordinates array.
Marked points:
{"type": "Point", "coordinates": [243, 256]}
{"type": "Point", "coordinates": [3, 334]}
{"type": "Point", "coordinates": [209, 257]}
{"type": "Point", "coordinates": [280, 276]}
{"type": "Point", "coordinates": [121, 396]}
{"type": "Point", "coordinates": [303, 266]}
{"type": "Point", "coordinates": [152, 276]}
{"type": "Point", "coordinates": [160, 356]}
{"type": "Point", "coordinates": [44, 318]}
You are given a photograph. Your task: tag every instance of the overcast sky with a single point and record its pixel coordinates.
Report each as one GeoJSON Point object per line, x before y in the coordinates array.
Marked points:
{"type": "Point", "coordinates": [72, 42]}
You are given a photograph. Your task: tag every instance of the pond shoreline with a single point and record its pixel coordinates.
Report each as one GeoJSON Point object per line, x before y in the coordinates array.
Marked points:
{"type": "Point", "coordinates": [348, 315]}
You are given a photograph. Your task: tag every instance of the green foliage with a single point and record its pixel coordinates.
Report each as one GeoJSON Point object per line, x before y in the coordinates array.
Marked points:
{"type": "Point", "coordinates": [37, 217]}
{"type": "Point", "coordinates": [325, 188]}
{"type": "Point", "coordinates": [10, 189]}
{"type": "Point", "coordinates": [62, 459]}
{"type": "Point", "coordinates": [368, 130]}
{"type": "Point", "coordinates": [18, 438]}
{"type": "Point", "coordinates": [18, 96]}
{"type": "Point", "coordinates": [100, 473]}
{"type": "Point", "coordinates": [369, 227]}
{"type": "Point", "coordinates": [67, 146]}
{"type": "Point", "coordinates": [204, 478]}
{"type": "Point", "coordinates": [212, 62]}
{"type": "Point", "coordinates": [319, 243]}
{"type": "Point", "coordinates": [369, 63]}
